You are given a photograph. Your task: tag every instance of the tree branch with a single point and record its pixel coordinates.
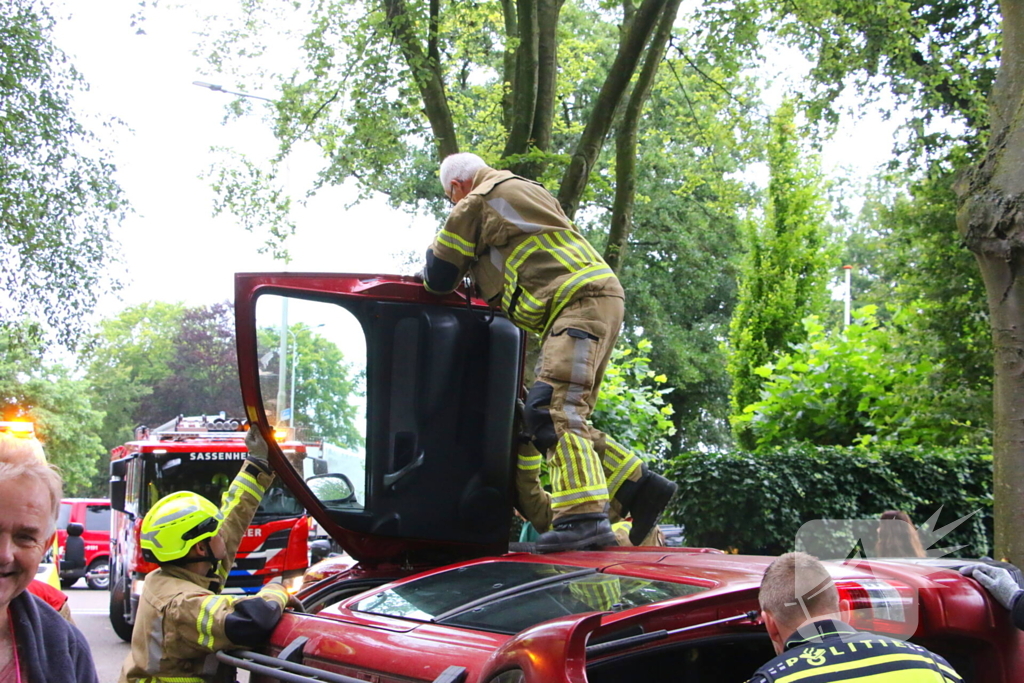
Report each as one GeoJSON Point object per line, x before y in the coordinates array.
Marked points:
{"type": "Point", "coordinates": [524, 94]}
{"type": "Point", "coordinates": [625, 141]}
{"type": "Point", "coordinates": [574, 181]}
{"type": "Point", "coordinates": [426, 73]}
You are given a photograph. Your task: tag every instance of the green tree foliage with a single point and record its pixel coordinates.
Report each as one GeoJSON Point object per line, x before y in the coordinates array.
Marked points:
{"type": "Point", "coordinates": [203, 369]}
{"type": "Point", "coordinates": [756, 503]}
{"type": "Point", "coordinates": [126, 359]}
{"type": "Point", "coordinates": [328, 389]}
{"type": "Point", "coordinates": [59, 405]}
{"type": "Point", "coordinates": [631, 406]}
{"type": "Point", "coordinates": [58, 197]}
{"type": "Point", "coordinates": [702, 126]}
{"type": "Point", "coordinates": [905, 260]}
{"type": "Point", "coordinates": [936, 58]}
{"type": "Point", "coordinates": [783, 278]}
{"type": "Point", "coordinates": [385, 88]}
{"type": "Point", "coordinates": [857, 387]}
{"type": "Point", "coordinates": [156, 361]}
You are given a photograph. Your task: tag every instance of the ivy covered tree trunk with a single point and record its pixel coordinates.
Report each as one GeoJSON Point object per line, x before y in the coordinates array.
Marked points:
{"type": "Point", "coordinates": [991, 222]}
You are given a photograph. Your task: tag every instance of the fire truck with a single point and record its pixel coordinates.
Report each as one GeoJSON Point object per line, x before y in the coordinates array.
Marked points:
{"type": "Point", "coordinates": [200, 454]}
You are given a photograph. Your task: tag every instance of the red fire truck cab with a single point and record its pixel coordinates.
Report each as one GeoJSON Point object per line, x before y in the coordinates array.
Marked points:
{"type": "Point", "coordinates": [200, 454]}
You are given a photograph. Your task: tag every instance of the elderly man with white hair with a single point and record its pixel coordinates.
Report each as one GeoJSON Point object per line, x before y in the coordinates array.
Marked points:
{"type": "Point", "coordinates": [36, 644]}
{"type": "Point", "coordinates": [527, 258]}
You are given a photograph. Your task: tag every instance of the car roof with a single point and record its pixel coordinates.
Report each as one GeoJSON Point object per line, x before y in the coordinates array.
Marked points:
{"type": "Point", "coordinates": [88, 501]}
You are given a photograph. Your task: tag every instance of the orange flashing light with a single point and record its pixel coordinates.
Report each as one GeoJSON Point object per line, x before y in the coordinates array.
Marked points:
{"type": "Point", "coordinates": [280, 435]}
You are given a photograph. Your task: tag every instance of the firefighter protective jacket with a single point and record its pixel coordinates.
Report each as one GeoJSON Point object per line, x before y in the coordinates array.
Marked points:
{"type": "Point", "coordinates": [183, 619]}
{"type": "Point", "coordinates": [838, 652]}
{"type": "Point", "coordinates": [521, 250]}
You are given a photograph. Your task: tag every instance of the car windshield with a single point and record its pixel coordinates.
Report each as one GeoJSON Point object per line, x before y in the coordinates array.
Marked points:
{"type": "Point", "coordinates": [506, 597]}
{"type": "Point", "coordinates": [209, 474]}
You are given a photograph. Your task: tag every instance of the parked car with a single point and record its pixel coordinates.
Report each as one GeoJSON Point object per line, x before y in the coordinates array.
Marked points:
{"type": "Point", "coordinates": [431, 593]}
{"type": "Point", "coordinates": [89, 518]}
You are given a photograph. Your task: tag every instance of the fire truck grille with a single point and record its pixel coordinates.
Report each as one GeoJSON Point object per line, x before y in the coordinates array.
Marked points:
{"type": "Point", "coordinates": [275, 543]}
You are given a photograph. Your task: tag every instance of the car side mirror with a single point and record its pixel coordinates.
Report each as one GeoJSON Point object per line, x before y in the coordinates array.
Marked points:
{"type": "Point", "coordinates": [118, 485]}
{"type": "Point", "coordinates": [333, 490]}
{"type": "Point", "coordinates": [75, 529]}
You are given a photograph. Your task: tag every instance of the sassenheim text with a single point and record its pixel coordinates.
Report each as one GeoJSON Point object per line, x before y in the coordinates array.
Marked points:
{"type": "Point", "coordinates": [216, 456]}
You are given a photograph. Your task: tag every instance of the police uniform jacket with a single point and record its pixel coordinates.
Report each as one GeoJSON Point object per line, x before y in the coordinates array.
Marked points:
{"type": "Point", "coordinates": [183, 619]}
{"type": "Point", "coordinates": [838, 652]}
{"type": "Point", "coordinates": [522, 251]}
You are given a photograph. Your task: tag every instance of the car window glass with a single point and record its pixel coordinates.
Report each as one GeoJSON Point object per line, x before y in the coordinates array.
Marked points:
{"type": "Point", "coordinates": [312, 358]}
{"type": "Point", "coordinates": [64, 516]}
{"type": "Point", "coordinates": [433, 596]}
{"type": "Point", "coordinates": [436, 594]}
{"type": "Point", "coordinates": [97, 518]}
{"type": "Point", "coordinates": [599, 592]}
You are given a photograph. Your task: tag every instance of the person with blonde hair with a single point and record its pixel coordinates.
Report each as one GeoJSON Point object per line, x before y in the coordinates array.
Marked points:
{"type": "Point", "coordinates": [37, 645]}
{"type": "Point", "coordinates": [802, 613]}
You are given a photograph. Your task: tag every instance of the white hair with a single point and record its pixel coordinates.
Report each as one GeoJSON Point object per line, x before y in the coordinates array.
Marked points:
{"type": "Point", "coordinates": [24, 458]}
{"type": "Point", "coordinates": [462, 166]}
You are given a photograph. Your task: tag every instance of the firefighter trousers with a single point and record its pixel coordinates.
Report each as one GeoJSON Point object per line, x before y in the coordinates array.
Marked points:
{"type": "Point", "coordinates": [585, 465]}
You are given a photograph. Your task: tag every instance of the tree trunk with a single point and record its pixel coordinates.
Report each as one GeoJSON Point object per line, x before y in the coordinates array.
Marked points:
{"type": "Point", "coordinates": [427, 74]}
{"type": "Point", "coordinates": [991, 221]}
{"type": "Point", "coordinates": [511, 34]}
{"type": "Point", "coordinates": [631, 48]}
{"type": "Point", "coordinates": [625, 141]}
{"type": "Point", "coordinates": [524, 95]}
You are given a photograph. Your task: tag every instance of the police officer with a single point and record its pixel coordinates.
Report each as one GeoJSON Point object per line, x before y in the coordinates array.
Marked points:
{"type": "Point", "coordinates": [527, 258]}
{"type": "Point", "coordinates": [183, 620]}
{"type": "Point", "coordinates": [799, 605]}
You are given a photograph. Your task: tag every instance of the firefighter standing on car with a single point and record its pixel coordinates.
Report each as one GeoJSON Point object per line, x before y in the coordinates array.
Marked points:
{"type": "Point", "coordinates": [527, 258]}
{"type": "Point", "coordinates": [183, 620]}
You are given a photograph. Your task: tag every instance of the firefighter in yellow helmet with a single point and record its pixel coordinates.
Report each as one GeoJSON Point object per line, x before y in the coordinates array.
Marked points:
{"type": "Point", "coordinates": [527, 258]}
{"type": "Point", "coordinates": [182, 619]}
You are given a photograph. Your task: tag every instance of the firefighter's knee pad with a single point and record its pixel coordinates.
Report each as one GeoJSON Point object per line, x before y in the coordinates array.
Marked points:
{"type": "Point", "coordinates": [537, 414]}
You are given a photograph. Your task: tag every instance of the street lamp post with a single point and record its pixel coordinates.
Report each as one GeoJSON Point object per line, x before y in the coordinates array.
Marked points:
{"type": "Point", "coordinates": [220, 88]}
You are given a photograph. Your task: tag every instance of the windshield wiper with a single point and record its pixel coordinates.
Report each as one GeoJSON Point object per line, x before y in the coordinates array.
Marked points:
{"type": "Point", "coordinates": [508, 592]}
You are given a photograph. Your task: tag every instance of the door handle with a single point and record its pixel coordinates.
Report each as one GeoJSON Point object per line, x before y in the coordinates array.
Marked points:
{"type": "Point", "coordinates": [392, 478]}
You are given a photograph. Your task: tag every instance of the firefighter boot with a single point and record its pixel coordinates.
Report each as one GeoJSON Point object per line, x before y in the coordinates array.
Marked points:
{"type": "Point", "coordinates": [644, 500]}
{"type": "Point", "coordinates": [575, 532]}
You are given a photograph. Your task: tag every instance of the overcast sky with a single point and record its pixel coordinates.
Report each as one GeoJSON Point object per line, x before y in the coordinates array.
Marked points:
{"type": "Point", "coordinates": [173, 249]}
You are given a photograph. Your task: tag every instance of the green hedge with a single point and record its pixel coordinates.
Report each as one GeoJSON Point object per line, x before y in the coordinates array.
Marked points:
{"type": "Point", "coordinates": [756, 503]}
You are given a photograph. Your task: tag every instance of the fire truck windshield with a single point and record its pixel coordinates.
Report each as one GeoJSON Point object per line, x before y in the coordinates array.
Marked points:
{"type": "Point", "coordinates": [209, 475]}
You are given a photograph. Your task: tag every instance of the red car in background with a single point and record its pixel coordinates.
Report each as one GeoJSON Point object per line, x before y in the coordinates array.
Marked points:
{"type": "Point", "coordinates": [422, 503]}
{"type": "Point", "coordinates": [93, 514]}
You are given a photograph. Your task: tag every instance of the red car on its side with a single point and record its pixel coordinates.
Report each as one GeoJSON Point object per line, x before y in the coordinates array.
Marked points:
{"type": "Point", "coordinates": [422, 500]}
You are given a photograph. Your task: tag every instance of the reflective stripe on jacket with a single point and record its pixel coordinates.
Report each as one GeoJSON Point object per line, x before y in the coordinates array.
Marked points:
{"type": "Point", "coordinates": [183, 619]}
{"type": "Point", "coordinates": [838, 652]}
{"type": "Point", "coordinates": [522, 251]}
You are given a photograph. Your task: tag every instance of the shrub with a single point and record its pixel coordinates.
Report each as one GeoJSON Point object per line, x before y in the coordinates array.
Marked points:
{"type": "Point", "coordinates": [756, 503]}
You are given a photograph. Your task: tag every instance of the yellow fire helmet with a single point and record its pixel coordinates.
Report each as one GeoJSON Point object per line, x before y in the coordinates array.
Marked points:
{"type": "Point", "coordinates": [175, 524]}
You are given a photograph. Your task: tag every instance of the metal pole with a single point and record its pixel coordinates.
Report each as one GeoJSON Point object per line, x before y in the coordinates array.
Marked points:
{"type": "Point", "coordinates": [847, 297]}
{"type": "Point", "coordinates": [295, 373]}
{"type": "Point", "coordinates": [282, 360]}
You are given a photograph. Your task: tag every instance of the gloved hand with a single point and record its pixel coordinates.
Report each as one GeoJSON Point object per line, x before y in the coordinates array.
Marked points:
{"type": "Point", "coordinates": [997, 581]}
{"type": "Point", "coordinates": [294, 604]}
{"type": "Point", "coordinates": [419, 276]}
{"type": "Point", "coordinates": [258, 450]}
